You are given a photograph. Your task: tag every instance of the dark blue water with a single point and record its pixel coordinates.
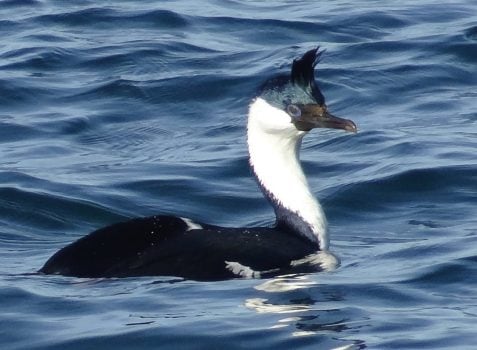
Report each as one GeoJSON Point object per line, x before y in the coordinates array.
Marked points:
{"type": "Point", "coordinates": [116, 109]}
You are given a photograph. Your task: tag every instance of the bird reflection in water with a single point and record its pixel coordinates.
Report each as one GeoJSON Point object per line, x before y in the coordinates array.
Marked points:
{"type": "Point", "coordinates": [307, 306]}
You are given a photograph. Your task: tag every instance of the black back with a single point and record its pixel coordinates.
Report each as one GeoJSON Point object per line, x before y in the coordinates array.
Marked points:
{"type": "Point", "coordinates": [164, 246]}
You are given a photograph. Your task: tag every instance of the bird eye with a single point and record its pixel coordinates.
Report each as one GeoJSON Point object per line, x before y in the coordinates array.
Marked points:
{"type": "Point", "coordinates": [294, 111]}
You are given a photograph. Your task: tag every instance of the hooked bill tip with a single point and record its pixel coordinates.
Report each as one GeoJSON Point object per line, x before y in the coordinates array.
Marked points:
{"type": "Point", "coordinates": [351, 127]}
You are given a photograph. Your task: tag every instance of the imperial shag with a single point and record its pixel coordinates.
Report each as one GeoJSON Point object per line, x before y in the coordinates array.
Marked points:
{"type": "Point", "coordinates": [286, 109]}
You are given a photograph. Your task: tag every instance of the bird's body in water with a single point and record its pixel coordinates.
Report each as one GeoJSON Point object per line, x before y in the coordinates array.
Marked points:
{"type": "Point", "coordinates": [286, 109]}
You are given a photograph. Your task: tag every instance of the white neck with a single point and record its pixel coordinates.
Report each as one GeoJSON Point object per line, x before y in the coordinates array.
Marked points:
{"type": "Point", "coordinates": [274, 145]}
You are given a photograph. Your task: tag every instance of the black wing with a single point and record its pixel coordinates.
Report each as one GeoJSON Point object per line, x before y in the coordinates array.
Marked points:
{"type": "Point", "coordinates": [169, 246]}
{"type": "Point", "coordinates": [114, 248]}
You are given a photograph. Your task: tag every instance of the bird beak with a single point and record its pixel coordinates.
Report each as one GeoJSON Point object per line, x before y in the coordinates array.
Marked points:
{"type": "Point", "coordinates": [328, 120]}
{"type": "Point", "coordinates": [316, 116]}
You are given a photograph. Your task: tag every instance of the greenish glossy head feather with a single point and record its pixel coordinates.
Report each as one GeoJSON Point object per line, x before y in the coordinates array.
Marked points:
{"type": "Point", "coordinates": [299, 87]}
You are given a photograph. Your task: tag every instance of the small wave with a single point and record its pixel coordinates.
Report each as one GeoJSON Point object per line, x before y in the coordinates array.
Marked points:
{"type": "Point", "coordinates": [413, 186]}
{"type": "Point", "coordinates": [20, 93]}
{"type": "Point", "coordinates": [19, 3]}
{"type": "Point", "coordinates": [100, 17]}
{"type": "Point", "coordinates": [374, 19]}
{"type": "Point", "coordinates": [471, 33]}
{"type": "Point", "coordinates": [459, 271]}
{"type": "Point", "coordinates": [162, 19]}
{"type": "Point", "coordinates": [116, 88]}
{"type": "Point", "coordinates": [49, 213]}
{"type": "Point", "coordinates": [9, 132]}
{"type": "Point", "coordinates": [130, 137]}
{"type": "Point", "coordinates": [41, 58]}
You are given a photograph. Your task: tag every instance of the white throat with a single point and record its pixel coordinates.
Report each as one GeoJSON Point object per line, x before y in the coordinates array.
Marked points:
{"type": "Point", "coordinates": [274, 145]}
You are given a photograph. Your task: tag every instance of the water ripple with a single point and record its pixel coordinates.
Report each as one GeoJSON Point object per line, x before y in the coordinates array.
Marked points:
{"type": "Point", "coordinates": [115, 110]}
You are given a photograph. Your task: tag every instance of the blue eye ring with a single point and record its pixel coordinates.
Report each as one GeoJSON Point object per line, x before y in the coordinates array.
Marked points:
{"type": "Point", "coordinates": [294, 111]}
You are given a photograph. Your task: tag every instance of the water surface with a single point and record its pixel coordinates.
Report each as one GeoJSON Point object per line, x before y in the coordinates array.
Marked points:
{"type": "Point", "coordinates": [111, 110]}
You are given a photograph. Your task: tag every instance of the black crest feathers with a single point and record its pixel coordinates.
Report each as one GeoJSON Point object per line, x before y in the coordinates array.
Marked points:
{"type": "Point", "coordinates": [303, 73]}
